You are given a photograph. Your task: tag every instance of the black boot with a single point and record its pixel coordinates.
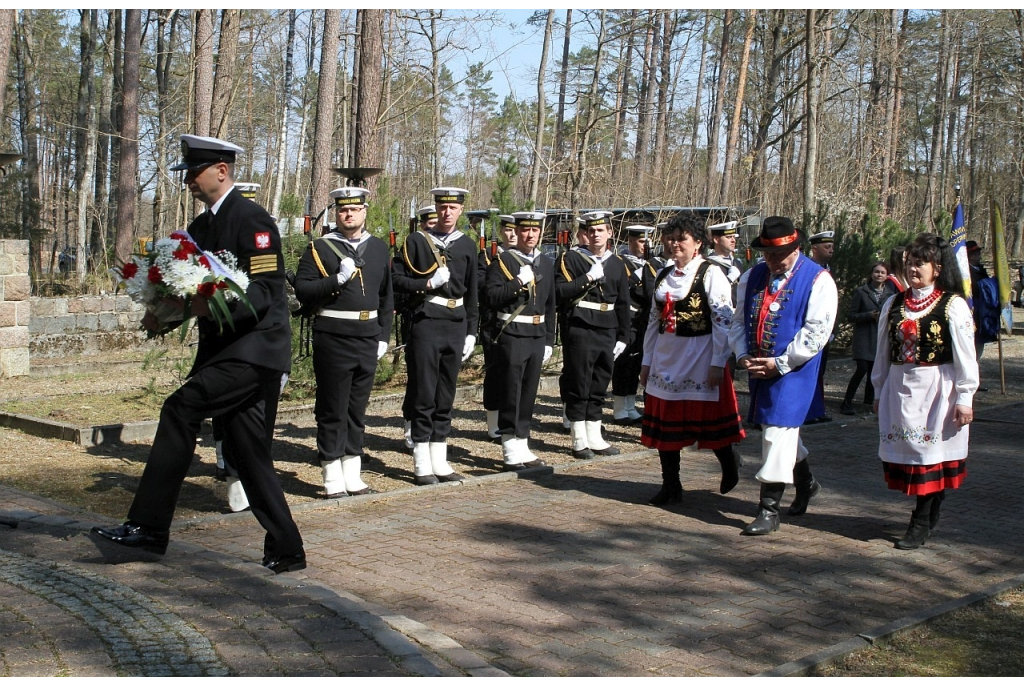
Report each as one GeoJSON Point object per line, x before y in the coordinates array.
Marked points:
{"type": "Point", "coordinates": [918, 531]}
{"type": "Point", "coordinates": [767, 520]}
{"type": "Point", "coordinates": [671, 489]}
{"type": "Point", "coordinates": [730, 460]}
{"type": "Point", "coordinates": [933, 516]}
{"type": "Point", "coordinates": [806, 488]}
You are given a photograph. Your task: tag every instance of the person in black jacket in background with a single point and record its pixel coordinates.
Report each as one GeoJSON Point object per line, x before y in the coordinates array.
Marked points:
{"type": "Point", "coordinates": [865, 306]}
{"type": "Point", "coordinates": [347, 276]}
{"type": "Point", "coordinates": [234, 372]}
{"type": "Point", "coordinates": [437, 269]}
{"type": "Point", "coordinates": [593, 296]}
{"type": "Point", "coordinates": [520, 288]}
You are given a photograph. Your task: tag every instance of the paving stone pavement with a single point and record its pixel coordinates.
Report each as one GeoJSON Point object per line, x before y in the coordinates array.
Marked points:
{"type": "Point", "coordinates": [571, 573]}
{"type": "Point", "coordinates": [564, 573]}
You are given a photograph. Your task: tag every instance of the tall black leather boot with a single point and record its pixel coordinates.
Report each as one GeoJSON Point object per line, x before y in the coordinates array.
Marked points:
{"type": "Point", "coordinates": [730, 460]}
{"type": "Point", "coordinates": [806, 488]}
{"type": "Point", "coordinates": [767, 520]}
{"type": "Point", "coordinates": [919, 529]}
{"type": "Point", "coordinates": [671, 489]}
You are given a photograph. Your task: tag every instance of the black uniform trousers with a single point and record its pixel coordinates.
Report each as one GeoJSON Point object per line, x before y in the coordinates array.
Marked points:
{"type": "Point", "coordinates": [626, 372]}
{"type": "Point", "coordinates": [434, 355]}
{"type": "Point", "coordinates": [272, 400]}
{"type": "Point", "coordinates": [587, 370]}
{"type": "Point", "coordinates": [517, 368]}
{"type": "Point", "coordinates": [344, 368]}
{"type": "Point", "coordinates": [494, 377]}
{"type": "Point", "coordinates": [235, 391]}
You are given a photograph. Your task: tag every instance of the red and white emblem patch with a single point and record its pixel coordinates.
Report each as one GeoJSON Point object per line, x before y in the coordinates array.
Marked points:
{"type": "Point", "coordinates": [262, 241]}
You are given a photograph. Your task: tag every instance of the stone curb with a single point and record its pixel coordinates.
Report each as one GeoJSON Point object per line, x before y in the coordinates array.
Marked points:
{"type": "Point", "coordinates": [882, 634]}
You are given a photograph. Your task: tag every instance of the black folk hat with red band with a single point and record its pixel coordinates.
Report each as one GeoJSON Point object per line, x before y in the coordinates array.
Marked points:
{"type": "Point", "coordinates": [778, 233]}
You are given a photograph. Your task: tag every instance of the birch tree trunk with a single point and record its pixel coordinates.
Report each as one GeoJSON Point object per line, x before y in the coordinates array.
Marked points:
{"type": "Point", "coordinates": [714, 121]}
{"type": "Point", "coordinates": [563, 77]}
{"type": "Point", "coordinates": [85, 136]}
{"type": "Point", "coordinates": [282, 134]}
{"type": "Point", "coordinates": [129, 164]}
{"type": "Point", "coordinates": [538, 142]}
{"type": "Point", "coordinates": [810, 119]}
{"type": "Point", "coordinates": [592, 110]}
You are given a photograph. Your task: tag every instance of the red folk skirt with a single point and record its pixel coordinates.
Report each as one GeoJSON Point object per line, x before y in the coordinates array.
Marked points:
{"type": "Point", "coordinates": [674, 424]}
{"type": "Point", "coordinates": [911, 479]}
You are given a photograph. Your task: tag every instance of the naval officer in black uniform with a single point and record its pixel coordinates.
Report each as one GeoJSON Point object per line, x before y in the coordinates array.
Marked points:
{"type": "Point", "coordinates": [235, 370]}
{"type": "Point", "coordinates": [426, 221]}
{"type": "Point", "coordinates": [437, 270]}
{"type": "Point", "coordinates": [640, 273]}
{"type": "Point", "coordinates": [493, 377]}
{"type": "Point", "coordinates": [593, 296]}
{"type": "Point", "coordinates": [520, 289]}
{"type": "Point", "coordinates": [346, 275]}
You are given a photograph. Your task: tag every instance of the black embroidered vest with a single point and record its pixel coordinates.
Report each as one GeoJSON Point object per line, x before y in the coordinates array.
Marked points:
{"type": "Point", "coordinates": [934, 343]}
{"type": "Point", "coordinates": [693, 311]}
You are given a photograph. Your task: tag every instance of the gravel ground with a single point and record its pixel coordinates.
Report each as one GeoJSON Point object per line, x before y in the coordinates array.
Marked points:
{"type": "Point", "coordinates": [102, 479]}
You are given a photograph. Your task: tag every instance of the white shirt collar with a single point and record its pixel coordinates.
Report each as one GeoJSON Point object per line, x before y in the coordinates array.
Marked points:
{"type": "Point", "coordinates": [216, 205]}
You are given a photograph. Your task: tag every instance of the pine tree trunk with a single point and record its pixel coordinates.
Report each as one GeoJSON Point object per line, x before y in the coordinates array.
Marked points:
{"type": "Point", "coordinates": [714, 121]}
{"type": "Point", "coordinates": [538, 142]}
{"type": "Point", "coordinates": [563, 77]}
{"type": "Point", "coordinates": [324, 126]}
{"type": "Point", "coordinates": [129, 163]}
{"type": "Point", "coordinates": [734, 129]}
{"type": "Point", "coordinates": [85, 137]}
{"type": "Point", "coordinates": [224, 83]}
{"type": "Point", "coordinates": [810, 118]}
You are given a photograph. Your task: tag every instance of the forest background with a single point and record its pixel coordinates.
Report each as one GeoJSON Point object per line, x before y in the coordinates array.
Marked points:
{"type": "Point", "coordinates": [859, 120]}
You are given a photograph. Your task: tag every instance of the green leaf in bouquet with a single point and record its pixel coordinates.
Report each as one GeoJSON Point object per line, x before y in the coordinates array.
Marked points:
{"type": "Point", "coordinates": [187, 323]}
{"type": "Point", "coordinates": [237, 290]}
{"type": "Point", "coordinates": [220, 312]}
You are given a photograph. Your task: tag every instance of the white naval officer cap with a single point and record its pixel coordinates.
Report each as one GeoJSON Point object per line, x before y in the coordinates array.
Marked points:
{"type": "Point", "coordinates": [350, 196]}
{"type": "Point", "coordinates": [597, 218]}
{"type": "Point", "coordinates": [449, 194]}
{"type": "Point", "coordinates": [822, 237]}
{"type": "Point", "coordinates": [426, 212]}
{"type": "Point", "coordinates": [507, 220]}
{"type": "Point", "coordinates": [639, 230]}
{"type": "Point", "coordinates": [529, 218]}
{"type": "Point", "coordinates": [198, 151]}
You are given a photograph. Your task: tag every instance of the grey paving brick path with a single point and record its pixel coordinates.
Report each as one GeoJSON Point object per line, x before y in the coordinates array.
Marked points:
{"type": "Point", "coordinates": [572, 574]}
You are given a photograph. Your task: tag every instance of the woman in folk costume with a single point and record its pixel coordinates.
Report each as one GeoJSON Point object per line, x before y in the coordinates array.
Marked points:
{"type": "Point", "coordinates": [925, 375]}
{"type": "Point", "coordinates": [689, 392]}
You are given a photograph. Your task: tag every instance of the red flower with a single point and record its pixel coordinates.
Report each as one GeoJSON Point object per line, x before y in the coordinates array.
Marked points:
{"type": "Point", "coordinates": [207, 289]}
{"type": "Point", "coordinates": [222, 285]}
{"type": "Point", "coordinates": [179, 235]}
{"type": "Point", "coordinates": [184, 250]}
{"type": "Point", "coordinates": [205, 262]}
{"type": "Point", "coordinates": [129, 270]}
{"type": "Point", "coordinates": [154, 275]}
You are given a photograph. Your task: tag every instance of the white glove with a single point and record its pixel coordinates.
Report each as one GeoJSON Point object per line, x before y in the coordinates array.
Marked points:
{"type": "Point", "coordinates": [348, 267]}
{"type": "Point", "coordinates": [467, 349]}
{"type": "Point", "coordinates": [440, 277]}
{"type": "Point", "coordinates": [382, 347]}
{"type": "Point", "coordinates": [526, 275]}
{"type": "Point", "coordinates": [619, 348]}
{"type": "Point", "coordinates": [596, 272]}
{"type": "Point", "coordinates": [547, 354]}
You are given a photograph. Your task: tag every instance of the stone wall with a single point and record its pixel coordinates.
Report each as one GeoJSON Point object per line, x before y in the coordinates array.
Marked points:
{"type": "Point", "coordinates": [15, 308]}
{"type": "Point", "coordinates": [85, 325]}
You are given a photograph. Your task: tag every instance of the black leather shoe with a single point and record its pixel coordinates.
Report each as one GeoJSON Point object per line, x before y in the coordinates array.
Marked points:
{"type": "Point", "coordinates": [583, 454]}
{"type": "Point", "coordinates": [429, 479]}
{"type": "Point", "coordinates": [284, 563]}
{"type": "Point", "coordinates": [450, 478]}
{"type": "Point", "coordinates": [765, 523]}
{"type": "Point", "coordinates": [131, 535]}
{"type": "Point", "coordinates": [670, 493]}
{"type": "Point", "coordinates": [606, 452]}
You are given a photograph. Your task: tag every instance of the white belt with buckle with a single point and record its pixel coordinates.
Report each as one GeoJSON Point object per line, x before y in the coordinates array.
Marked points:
{"type": "Point", "coordinates": [599, 306]}
{"type": "Point", "coordinates": [634, 309]}
{"type": "Point", "coordinates": [445, 302]}
{"type": "Point", "coordinates": [351, 316]}
{"type": "Point", "coordinates": [535, 319]}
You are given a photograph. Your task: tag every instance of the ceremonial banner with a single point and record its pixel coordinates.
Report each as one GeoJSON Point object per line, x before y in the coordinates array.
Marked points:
{"type": "Point", "coordinates": [1002, 269]}
{"type": "Point", "coordinates": [958, 241]}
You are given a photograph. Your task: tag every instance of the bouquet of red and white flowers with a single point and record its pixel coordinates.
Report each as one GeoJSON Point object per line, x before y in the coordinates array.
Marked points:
{"type": "Point", "coordinates": [176, 270]}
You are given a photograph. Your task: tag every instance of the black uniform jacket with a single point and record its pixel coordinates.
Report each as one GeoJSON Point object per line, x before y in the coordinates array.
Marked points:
{"type": "Point", "coordinates": [417, 264]}
{"type": "Point", "coordinates": [369, 289]}
{"type": "Point", "coordinates": [247, 231]}
{"type": "Point", "coordinates": [612, 291]}
{"type": "Point", "coordinates": [504, 293]}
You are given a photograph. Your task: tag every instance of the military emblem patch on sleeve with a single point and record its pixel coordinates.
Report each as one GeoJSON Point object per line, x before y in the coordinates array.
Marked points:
{"type": "Point", "coordinates": [263, 241]}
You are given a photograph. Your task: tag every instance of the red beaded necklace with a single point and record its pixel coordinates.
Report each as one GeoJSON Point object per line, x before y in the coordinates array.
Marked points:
{"type": "Point", "coordinates": [919, 305]}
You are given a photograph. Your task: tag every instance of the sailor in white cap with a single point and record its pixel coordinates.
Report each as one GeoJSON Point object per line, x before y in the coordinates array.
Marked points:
{"type": "Point", "coordinates": [489, 325]}
{"type": "Point", "coordinates": [593, 293]}
{"type": "Point", "coordinates": [520, 288]}
{"type": "Point", "coordinates": [236, 369]}
{"type": "Point", "coordinates": [723, 254]}
{"type": "Point", "coordinates": [641, 272]}
{"type": "Point", "coordinates": [437, 270]}
{"type": "Point", "coordinates": [822, 246]}
{"type": "Point", "coordinates": [346, 277]}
